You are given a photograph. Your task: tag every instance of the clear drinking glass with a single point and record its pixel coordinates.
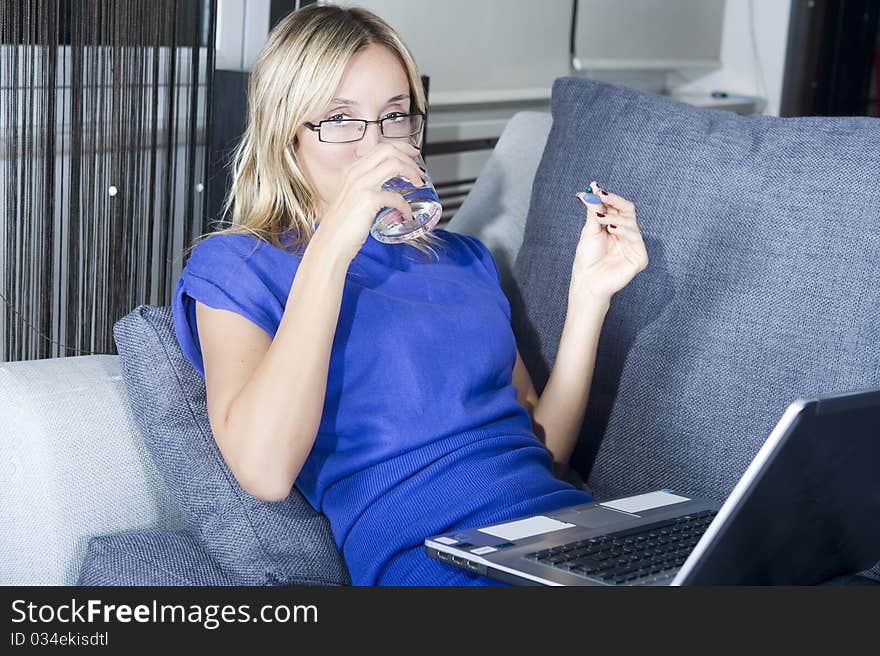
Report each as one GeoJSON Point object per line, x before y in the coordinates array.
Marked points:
{"type": "Point", "coordinates": [391, 227]}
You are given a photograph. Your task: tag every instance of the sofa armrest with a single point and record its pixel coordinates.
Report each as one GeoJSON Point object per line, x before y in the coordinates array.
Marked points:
{"type": "Point", "coordinates": [496, 207]}
{"type": "Point", "coordinates": [72, 465]}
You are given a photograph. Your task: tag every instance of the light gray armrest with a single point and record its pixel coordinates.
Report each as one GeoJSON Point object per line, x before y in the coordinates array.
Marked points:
{"type": "Point", "coordinates": [72, 465]}
{"type": "Point", "coordinates": [495, 210]}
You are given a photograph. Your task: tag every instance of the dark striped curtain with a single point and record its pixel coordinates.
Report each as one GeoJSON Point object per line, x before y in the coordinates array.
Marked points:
{"type": "Point", "coordinates": [104, 119]}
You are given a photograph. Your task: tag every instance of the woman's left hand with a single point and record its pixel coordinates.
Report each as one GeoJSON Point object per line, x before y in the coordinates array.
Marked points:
{"type": "Point", "coordinates": [610, 251]}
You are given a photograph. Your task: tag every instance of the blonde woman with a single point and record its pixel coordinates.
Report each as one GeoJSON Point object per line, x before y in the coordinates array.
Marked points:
{"type": "Point", "coordinates": [386, 385]}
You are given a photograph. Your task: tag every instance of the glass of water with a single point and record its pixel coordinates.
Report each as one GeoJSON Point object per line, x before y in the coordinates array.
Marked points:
{"type": "Point", "coordinates": [391, 227]}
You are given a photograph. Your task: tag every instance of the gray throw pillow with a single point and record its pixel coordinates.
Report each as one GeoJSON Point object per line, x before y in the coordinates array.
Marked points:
{"type": "Point", "coordinates": [763, 235]}
{"type": "Point", "coordinates": [149, 557]}
{"type": "Point", "coordinates": [253, 541]}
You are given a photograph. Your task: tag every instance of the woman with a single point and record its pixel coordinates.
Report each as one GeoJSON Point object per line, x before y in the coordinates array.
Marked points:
{"type": "Point", "coordinates": [389, 390]}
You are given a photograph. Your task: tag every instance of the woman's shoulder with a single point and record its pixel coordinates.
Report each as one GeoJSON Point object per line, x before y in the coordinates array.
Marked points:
{"type": "Point", "coordinates": [470, 250]}
{"type": "Point", "coordinates": [459, 245]}
{"type": "Point", "coordinates": [220, 245]}
{"type": "Point", "coordinates": [237, 248]}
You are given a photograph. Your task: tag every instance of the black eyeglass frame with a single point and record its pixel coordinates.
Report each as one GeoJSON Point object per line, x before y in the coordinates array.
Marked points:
{"type": "Point", "coordinates": [317, 127]}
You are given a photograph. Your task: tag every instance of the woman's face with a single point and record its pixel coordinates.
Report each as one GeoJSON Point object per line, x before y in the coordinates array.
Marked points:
{"type": "Point", "coordinates": [374, 85]}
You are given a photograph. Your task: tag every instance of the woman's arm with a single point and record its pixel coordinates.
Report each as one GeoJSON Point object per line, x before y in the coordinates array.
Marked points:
{"type": "Point", "coordinates": [609, 253]}
{"type": "Point", "coordinates": [557, 415]}
{"type": "Point", "coordinates": [266, 396]}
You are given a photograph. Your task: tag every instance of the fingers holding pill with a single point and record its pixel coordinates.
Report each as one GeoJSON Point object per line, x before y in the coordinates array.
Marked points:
{"type": "Point", "coordinates": [589, 197]}
{"type": "Point", "coordinates": [612, 214]}
{"type": "Point", "coordinates": [621, 210]}
{"type": "Point", "coordinates": [593, 204]}
{"type": "Point", "coordinates": [610, 200]}
{"type": "Point", "coordinates": [611, 249]}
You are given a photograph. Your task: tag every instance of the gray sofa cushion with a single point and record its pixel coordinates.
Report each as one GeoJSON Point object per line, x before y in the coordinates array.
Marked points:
{"type": "Point", "coordinates": [763, 237]}
{"type": "Point", "coordinates": [149, 557]}
{"type": "Point", "coordinates": [254, 542]}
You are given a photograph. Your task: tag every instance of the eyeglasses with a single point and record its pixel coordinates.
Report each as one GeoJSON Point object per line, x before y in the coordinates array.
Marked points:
{"type": "Point", "coordinates": [346, 130]}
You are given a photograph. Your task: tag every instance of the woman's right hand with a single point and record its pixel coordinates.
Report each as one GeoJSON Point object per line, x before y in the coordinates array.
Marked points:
{"type": "Point", "coordinates": [347, 220]}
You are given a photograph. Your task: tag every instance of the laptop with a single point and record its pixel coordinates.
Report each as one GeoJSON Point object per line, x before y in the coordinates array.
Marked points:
{"type": "Point", "coordinates": [806, 510]}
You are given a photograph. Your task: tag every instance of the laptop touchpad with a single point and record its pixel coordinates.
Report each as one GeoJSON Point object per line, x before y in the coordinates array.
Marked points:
{"type": "Point", "coordinates": [596, 517]}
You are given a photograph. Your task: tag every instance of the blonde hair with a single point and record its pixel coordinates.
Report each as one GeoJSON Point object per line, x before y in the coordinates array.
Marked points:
{"type": "Point", "coordinates": [294, 78]}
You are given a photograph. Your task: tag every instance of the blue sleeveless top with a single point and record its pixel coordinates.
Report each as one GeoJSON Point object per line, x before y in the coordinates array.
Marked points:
{"type": "Point", "coordinates": [421, 431]}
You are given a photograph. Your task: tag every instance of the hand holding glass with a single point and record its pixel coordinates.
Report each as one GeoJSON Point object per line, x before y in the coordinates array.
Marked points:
{"type": "Point", "coordinates": [389, 225]}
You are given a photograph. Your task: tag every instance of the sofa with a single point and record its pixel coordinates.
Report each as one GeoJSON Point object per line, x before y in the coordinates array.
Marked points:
{"type": "Point", "coordinates": [764, 245]}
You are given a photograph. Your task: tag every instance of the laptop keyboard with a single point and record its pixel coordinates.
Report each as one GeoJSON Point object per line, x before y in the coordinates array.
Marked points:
{"type": "Point", "coordinates": [626, 556]}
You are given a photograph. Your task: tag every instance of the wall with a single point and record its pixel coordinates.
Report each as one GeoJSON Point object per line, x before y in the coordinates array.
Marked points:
{"type": "Point", "coordinates": [752, 67]}
{"type": "Point", "coordinates": [485, 64]}
{"type": "Point", "coordinates": [242, 26]}
{"type": "Point", "coordinates": [746, 69]}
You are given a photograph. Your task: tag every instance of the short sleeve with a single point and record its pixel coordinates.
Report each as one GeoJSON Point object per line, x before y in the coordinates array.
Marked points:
{"type": "Point", "coordinates": [227, 272]}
